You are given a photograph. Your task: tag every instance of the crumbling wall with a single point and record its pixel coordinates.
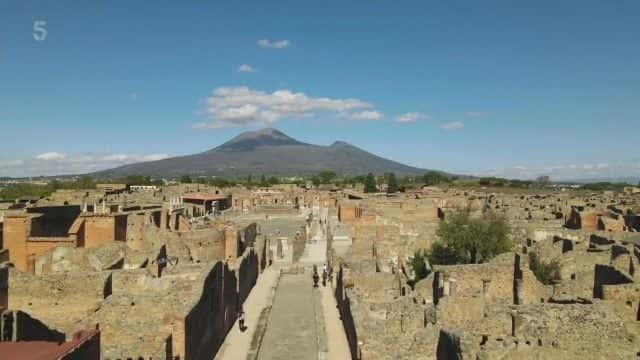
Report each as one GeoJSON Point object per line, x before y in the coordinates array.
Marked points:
{"type": "Point", "coordinates": [247, 274]}
{"type": "Point", "coordinates": [48, 296]}
{"type": "Point", "coordinates": [607, 275]}
{"type": "Point", "coordinates": [19, 326]}
{"type": "Point", "coordinates": [54, 220]}
{"type": "Point", "coordinates": [99, 229]}
{"type": "Point", "coordinates": [344, 308]}
{"type": "Point", "coordinates": [212, 316]}
{"type": "Point", "coordinates": [449, 347]}
{"type": "Point", "coordinates": [16, 231]}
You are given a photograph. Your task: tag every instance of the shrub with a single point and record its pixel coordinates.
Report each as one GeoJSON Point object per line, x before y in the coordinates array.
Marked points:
{"type": "Point", "coordinates": [547, 272]}
{"type": "Point", "coordinates": [419, 266]}
{"type": "Point", "coordinates": [467, 240]}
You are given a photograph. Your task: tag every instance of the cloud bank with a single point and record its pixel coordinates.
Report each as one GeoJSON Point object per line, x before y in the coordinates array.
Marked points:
{"type": "Point", "coordinates": [241, 106]}
{"type": "Point", "coordinates": [55, 163]}
{"type": "Point", "coordinates": [411, 117]}
{"type": "Point", "coordinates": [246, 68]}
{"type": "Point", "coordinates": [454, 125]}
{"type": "Point", "coordinates": [269, 44]}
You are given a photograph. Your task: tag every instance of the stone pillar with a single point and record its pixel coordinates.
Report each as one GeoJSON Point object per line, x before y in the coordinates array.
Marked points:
{"type": "Point", "coordinates": [452, 287]}
{"type": "Point", "coordinates": [485, 289]}
{"type": "Point", "coordinates": [519, 293]}
{"type": "Point", "coordinates": [445, 285]}
{"type": "Point", "coordinates": [16, 233]}
{"type": "Point", "coordinates": [516, 323]}
{"type": "Point", "coordinates": [163, 219]}
{"type": "Point", "coordinates": [230, 245]}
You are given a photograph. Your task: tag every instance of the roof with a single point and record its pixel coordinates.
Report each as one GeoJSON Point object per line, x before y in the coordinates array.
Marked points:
{"type": "Point", "coordinates": [45, 350]}
{"type": "Point", "coordinates": [205, 197]}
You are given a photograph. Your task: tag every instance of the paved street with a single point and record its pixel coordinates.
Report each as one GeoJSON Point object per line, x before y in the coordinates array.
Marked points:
{"type": "Point", "coordinates": [292, 329]}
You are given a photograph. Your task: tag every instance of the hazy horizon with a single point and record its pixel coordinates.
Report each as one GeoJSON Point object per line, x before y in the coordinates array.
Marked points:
{"type": "Point", "coordinates": [488, 90]}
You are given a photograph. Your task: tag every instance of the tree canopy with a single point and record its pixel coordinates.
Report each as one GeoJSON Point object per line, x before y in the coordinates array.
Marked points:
{"type": "Point", "coordinates": [419, 266]}
{"type": "Point", "coordinates": [392, 183]}
{"type": "Point", "coordinates": [547, 272]}
{"type": "Point", "coordinates": [370, 184]}
{"type": "Point", "coordinates": [434, 178]}
{"type": "Point", "coordinates": [464, 239]}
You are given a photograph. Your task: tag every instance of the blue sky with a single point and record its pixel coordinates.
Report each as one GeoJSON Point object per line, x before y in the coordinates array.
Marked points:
{"type": "Point", "coordinates": [483, 87]}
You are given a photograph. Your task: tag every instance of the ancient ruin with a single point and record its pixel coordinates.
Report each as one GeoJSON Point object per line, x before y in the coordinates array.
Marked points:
{"type": "Point", "coordinates": [164, 272]}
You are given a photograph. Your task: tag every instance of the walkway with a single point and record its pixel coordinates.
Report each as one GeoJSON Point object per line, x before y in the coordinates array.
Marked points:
{"type": "Point", "coordinates": [336, 337]}
{"type": "Point", "coordinates": [303, 322]}
{"type": "Point", "coordinates": [236, 345]}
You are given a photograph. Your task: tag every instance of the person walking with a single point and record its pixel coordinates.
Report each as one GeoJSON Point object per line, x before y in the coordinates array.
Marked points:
{"type": "Point", "coordinates": [316, 277]}
{"type": "Point", "coordinates": [241, 317]}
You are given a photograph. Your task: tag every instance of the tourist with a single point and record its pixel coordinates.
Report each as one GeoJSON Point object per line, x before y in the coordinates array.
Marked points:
{"type": "Point", "coordinates": [241, 320]}
{"type": "Point", "coordinates": [316, 277]}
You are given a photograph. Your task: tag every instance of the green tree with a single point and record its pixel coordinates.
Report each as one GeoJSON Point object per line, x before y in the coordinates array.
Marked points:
{"type": "Point", "coordinates": [263, 180]}
{"type": "Point", "coordinates": [547, 272]}
{"type": "Point", "coordinates": [185, 179]}
{"type": "Point", "coordinates": [434, 178]}
{"type": "Point", "coordinates": [419, 265]}
{"type": "Point", "coordinates": [14, 191]}
{"type": "Point", "coordinates": [392, 183]}
{"type": "Point", "coordinates": [135, 180]}
{"type": "Point", "coordinates": [273, 180]}
{"type": "Point", "coordinates": [370, 184]}
{"type": "Point", "coordinates": [326, 176]}
{"type": "Point", "coordinates": [469, 240]}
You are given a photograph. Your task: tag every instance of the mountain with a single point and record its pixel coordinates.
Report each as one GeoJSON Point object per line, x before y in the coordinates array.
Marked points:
{"type": "Point", "coordinates": [270, 152]}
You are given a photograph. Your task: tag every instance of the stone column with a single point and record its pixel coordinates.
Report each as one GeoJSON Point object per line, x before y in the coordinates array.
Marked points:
{"type": "Point", "coordinates": [445, 285]}
{"type": "Point", "coordinates": [516, 323]}
{"type": "Point", "coordinates": [485, 289]}
{"type": "Point", "coordinates": [519, 294]}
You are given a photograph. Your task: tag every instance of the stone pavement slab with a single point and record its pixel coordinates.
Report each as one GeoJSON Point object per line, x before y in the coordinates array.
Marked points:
{"type": "Point", "coordinates": [292, 329]}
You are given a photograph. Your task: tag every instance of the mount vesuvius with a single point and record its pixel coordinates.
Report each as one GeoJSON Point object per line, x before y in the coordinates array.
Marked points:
{"type": "Point", "coordinates": [267, 151]}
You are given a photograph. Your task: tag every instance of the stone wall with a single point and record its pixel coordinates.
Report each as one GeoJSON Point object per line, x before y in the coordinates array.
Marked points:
{"type": "Point", "coordinates": [48, 296]}
{"type": "Point", "coordinates": [607, 275]}
{"type": "Point", "coordinates": [19, 326]}
{"type": "Point", "coordinates": [344, 308]}
{"type": "Point", "coordinates": [212, 316]}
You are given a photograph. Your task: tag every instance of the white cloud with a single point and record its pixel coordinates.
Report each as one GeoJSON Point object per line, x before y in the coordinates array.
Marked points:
{"type": "Point", "coordinates": [154, 157]}
{"type": "Point", "coordinates": [279, 44]}
{"type": "Point", "coordinates": [240, 106]}
{"type": "Point", "coordinates": [245, 68]}
{"type": "Point", "coordinates": [51, 156]}
{"type": "Point", "coordinates": [367, 115]}
{"type": "Point", "coordinates": [134, 96]}
{"type": "Point", "coordinates": [114, 157]}
{"type": "Point", "coordinates": [568, 172]}
{"type": "Point", "coordinates": [454, 125]}
{"type": "Point", "coordinates": [10, 163]}
{"type": "Point", "coordinates": [410, 117]}
{"type": "Point", "coordinates": [60, 164]}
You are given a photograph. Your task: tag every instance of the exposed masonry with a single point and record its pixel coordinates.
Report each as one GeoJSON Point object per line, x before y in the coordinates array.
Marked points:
{"type": "Point", "coordinates": [161, 272]}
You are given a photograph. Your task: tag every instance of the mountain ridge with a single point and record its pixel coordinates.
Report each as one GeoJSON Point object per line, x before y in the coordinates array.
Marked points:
{"type": "Point", "coordinates": [268, 151]}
